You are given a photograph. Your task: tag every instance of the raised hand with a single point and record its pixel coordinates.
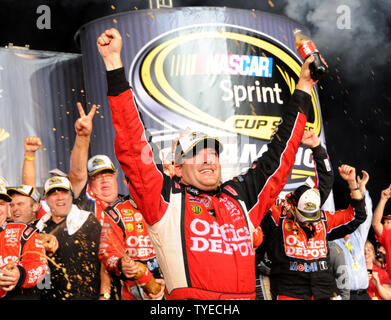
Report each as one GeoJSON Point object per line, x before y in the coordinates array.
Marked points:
{"type": "Point", "coordinates": [347, 173]}
{"type": "Point", "coordinates": [386, 193]}
{"type": "Point", "coordinates": [310, 139]}
{"type": "Point", "coordinates": [109, 45]}
{"type": "Point", "coordinates": [363, 181]}
{"type": "Point", "coordinates": [83, 125]}
{"type": "Point", "coordinates": [306, 83]}
{"type": "Point", "coordinates": [32, 144]}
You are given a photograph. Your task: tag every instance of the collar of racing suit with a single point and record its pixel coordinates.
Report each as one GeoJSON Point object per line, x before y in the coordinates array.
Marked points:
{"type": "Point", "coordinates": [197, 192]}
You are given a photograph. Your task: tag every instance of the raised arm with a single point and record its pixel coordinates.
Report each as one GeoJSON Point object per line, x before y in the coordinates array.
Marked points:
{"type": "Point", "coordinates": [78, 174]}
{"type": "Point", "coordinates": [324, 177]}
{"type": "Point", "coordinates": [263, 182]}
{"type": "Point", "coordinates": [138, 157]}
{"type": "Point", "coordinates": [378, 213]}
{"type": "Point", "coordinates": [31, 146]}
{"type": "Point", "coordinates": [346, 221]}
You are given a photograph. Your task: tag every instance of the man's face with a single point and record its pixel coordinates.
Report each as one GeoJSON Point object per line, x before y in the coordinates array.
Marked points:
{"type": "Point", "coordinates": [23, 208]}
{"type": "Point", "coordinates": [60, 202]}
{"type": "Point", "coordinates": [202, 170]}
{"type": "Point", "coordinates": [387, 224]}
{"type": "Point", "coordinates": [3, 211]}
{"type": "Point", "coordinates": [104, 185]}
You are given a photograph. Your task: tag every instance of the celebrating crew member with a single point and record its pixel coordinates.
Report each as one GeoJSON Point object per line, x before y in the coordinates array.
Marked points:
{"type": "Point", "coordinates": [94, 182]}
{"type": "Point", "coordinates": [353, 247]}
{"type": "Point", "coordinates": [201, 228]}
{"type": "Point", "coordinates": [71, 238]}
{"type": "Point", "coordinates": [383, 230]}
{"type": "Point", "coordinates": [125, 233]}
{"type": "Point", "coordinates": [23, 263]}
{"type": "Point", "coordinates": [25, 203]}
{"type": "Point", "coordinates": [297, 232]}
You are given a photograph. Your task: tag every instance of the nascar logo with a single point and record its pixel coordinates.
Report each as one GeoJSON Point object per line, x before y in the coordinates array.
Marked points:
{"type": "Point", "coordinates": [248, 75]}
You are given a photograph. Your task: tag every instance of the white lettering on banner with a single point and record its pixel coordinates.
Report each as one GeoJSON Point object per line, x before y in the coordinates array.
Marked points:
{"type": "Point", "coordinates": [224, 239]}
{"type": "Point", "coordinates": [240, 93]}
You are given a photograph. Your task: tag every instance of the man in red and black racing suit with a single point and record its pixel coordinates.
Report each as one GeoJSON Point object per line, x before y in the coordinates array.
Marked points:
{"type": "Point", "coordinates": [22, 257]}
{"type": "Point", "coordinates": [298, 250]}
{"type": "Point", "coordinates": [202, 239]}
{"type": "Point", "coordinates": [125, 231]}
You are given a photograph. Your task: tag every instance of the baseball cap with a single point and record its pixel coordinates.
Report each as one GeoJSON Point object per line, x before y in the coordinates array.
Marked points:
{"type": "Point", "coordinates": [190, 140]}
{"type": "Point", "coordinates": [3, 193]}
{"type": "Point", "coordinates": [387, 216]}
{"type": "Point", "coordinates": [57, 183]}
{"type": "Point", "coordinates": [307, 204]}
{"type": "Point", "coordinates": [99, 163]}
{"type": "Point", "coordinates": [57, 172]}
{"type": "Point", "coordinates": [25, 190]}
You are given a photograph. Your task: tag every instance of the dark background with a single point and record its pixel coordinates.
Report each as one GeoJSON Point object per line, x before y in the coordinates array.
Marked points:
{"type": "Point", "coordinates": [355, 97]}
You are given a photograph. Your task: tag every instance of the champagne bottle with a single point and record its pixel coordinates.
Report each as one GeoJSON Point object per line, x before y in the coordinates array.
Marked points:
{"type": "Point", "coordinates": [145, 279]}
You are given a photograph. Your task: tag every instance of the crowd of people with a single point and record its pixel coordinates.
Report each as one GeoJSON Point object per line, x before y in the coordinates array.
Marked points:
{"type": "Point", "coordinates": [182, 233]}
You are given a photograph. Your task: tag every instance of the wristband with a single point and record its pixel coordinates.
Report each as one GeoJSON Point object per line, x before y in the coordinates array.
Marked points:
{"type": "Point", "coordinates": [29, 158]}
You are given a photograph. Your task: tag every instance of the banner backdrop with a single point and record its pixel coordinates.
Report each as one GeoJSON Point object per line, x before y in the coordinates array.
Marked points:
{"type": "Point", "coordinates": [38, 95]}
{"type": "Point", "coordinates": [226, 72]}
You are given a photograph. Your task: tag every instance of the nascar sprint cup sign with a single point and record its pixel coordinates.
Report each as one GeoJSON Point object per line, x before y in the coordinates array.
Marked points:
{"type": "Point", "coordinates": [226, 72]}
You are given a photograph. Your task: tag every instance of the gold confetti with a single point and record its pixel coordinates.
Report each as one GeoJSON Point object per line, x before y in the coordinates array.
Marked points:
{"type": "Point", "coordinates": [115, 21]}
{"type": "Point", "coordinates": [271, 3]}
{"type": "Point", "coordinates": [112, 7]}
{"type": "Point", "coordinates": [54, 129]}
{"type": "Point", "coordinates": [152, 16]}
{"type": "Point", "coordinates": [253, 13]}
{"type": "Point", "coordinates": [127, 34]}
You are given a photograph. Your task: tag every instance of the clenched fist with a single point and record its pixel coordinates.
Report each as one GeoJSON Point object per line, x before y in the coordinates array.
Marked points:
{"type": "Point", "coordinates": [109, 45]}
{"type": "Point", "coordinates": [310, 139]}
{"type": "Point", "coordinates": [32, 144]}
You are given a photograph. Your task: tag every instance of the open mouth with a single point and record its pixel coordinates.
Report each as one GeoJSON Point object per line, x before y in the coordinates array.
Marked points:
{"type": "Point", "coordinates": [206, 171]}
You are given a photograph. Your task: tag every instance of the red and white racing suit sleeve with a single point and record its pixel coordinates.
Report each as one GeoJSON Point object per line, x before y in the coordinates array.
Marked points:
{"type": "Point", "coordinates": [345, 221]}
{"type": "Point", "coordinates": [137, 158]}
{"type": "Point", "coordinates": [33, 264]}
